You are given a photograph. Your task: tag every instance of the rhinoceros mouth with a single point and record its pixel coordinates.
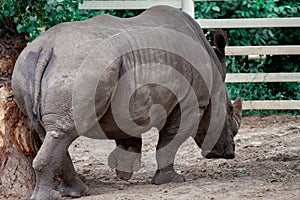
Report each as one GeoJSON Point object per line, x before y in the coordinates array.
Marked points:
{"type": "Point", "coordinates": [227, 153]}
{"type": "Point", "coordinates": [212, 155]}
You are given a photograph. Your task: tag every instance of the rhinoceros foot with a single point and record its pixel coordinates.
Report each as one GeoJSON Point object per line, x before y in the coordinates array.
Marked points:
{"type": "Point", "coordinates": [40, 193]}
{"type": "Point", "coordinates": [161, 177]}
{"type": "Point", "coordinates": [125, 161]}
{"type": "Point", "coordinates": [75, 189]}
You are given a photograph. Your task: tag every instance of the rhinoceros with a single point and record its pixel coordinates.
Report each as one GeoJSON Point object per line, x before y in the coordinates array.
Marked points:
{"type": "Point", "coordinates": [113, 78]}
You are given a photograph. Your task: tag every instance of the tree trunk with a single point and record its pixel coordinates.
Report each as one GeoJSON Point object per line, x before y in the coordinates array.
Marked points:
{"type": "Point", "coordinates": [18, 142]}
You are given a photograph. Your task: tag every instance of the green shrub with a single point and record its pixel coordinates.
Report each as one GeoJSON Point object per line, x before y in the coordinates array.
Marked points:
{"type": "Point", "coordinates": [32, 17]}
{"type": "Point", "coordinates": [258, 36]}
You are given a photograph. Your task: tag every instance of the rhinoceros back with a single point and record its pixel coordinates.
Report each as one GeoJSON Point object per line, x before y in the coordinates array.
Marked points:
{"type": "Point", "coordinates": [89, 58]}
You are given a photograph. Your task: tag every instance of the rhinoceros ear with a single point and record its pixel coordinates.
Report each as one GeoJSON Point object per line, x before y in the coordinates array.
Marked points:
{"type": "Point", "coordinates": [220, 40]}
{"type": "Point", "coordinates": [237, 105]}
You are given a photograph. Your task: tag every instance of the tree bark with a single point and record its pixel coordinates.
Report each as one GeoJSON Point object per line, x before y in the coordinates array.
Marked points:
{"type": "Point", "coordinates": [18, 142]}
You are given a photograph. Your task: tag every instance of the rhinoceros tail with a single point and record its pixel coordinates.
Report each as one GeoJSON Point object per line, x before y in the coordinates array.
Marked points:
{"type": "Point", "coordinates": [43, 60]}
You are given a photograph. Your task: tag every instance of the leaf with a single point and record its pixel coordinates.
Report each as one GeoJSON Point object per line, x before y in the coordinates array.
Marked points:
{"type": "Point", "coordinates": [261, 2]}
{"type": "Point", "coordinates": [51, 2]}
{"type": "Point", "coordinates": [32, 19]}
{"type": "Point", "coordinates": [30, 29]}
{"type": "Point", "coordinates": [59, 9]}
{"type": "Point", "coordinates": [6, 13]}
{"type": "Point", "coordinates": [20, 28]}
{"type": "Point", "coordinates": [216, 8]}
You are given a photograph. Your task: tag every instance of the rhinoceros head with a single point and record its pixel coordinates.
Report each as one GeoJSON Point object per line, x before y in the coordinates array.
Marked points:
{"type": "Point", "coordinates": [224, 146]}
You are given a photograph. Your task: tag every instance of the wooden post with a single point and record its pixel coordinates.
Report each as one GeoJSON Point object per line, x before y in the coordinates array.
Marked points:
{"type": "Point", "coordinates": [188, 7]}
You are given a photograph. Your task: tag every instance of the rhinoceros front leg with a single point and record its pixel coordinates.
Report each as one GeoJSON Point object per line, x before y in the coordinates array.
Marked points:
{"type": "Point", "coordinates": [71, 184]}
{"type": "Point", "coordinates": [49, 160]}
{"type": "Point", "coordinates": [165, 150]}
{"type": "Point", "coordinates": [126, 157]}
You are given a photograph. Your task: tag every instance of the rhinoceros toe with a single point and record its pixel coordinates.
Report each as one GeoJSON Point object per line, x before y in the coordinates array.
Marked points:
{"type": "Point", "coordinates": [77, 189]}
{"type": "Point", "coordinates": [123, 175]}
{"type": "Point", "coordinates": [125, 161]}
{"type": "Point", "coordinates": [41, 193]}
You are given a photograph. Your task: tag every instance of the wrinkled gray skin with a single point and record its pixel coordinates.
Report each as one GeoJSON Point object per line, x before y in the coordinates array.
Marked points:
{"type": "Point", "coordinates": [43, 82]}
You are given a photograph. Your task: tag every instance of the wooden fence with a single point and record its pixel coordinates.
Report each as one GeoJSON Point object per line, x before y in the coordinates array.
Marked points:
{"type": "Point", "coordinates": [188, 6]}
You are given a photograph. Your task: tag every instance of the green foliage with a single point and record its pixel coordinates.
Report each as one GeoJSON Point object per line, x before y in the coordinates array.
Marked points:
{"type": "Point", "coordinates": [32, 17]}
{"type": "Point", "coordinates": [247, 9]}
{"type": "Point", "coordinates": [258, 36]}
{"type": "Point", "coordinates": [29, 16]}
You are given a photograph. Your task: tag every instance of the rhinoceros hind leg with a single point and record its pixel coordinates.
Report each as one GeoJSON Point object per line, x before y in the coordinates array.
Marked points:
{"type": "Point", "coordinates": [126, 157]}
{"type": "Point", "coordinates": [49, 160]}
{"type": "Point", "coordinates": [71, 184]}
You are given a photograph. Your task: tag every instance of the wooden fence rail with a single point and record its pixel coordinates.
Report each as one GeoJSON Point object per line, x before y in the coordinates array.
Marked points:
{"type": "Point", "coordinates": [262, 77]}
{"type": "Point", "coordinates": [131, 5]}
{"type": "Point", "coordinates": [263, 50]}
{"type": "Point", "coordinates": [188, 6]}
{"type": "Point", "coordinates": [250, 22]}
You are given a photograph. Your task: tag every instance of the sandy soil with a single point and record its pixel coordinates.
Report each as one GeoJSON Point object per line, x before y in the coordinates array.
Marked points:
{"type": "Point", "coordinates": [267, 166]}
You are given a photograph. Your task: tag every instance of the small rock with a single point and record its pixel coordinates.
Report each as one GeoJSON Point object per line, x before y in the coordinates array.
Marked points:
{"type": "Point", "coordinates": [259, 195]}
{"type": "Point", "coordinates": [271, 189]}
{"type": "Point", "coordinates": [274, 181]}
{"type": "Point", "coordinates": [179, 171]}
{"type": "Point", "coordinates": [273, 175]}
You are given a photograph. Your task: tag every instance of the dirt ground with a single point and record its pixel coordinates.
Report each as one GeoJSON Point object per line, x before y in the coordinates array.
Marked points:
{"type": "Point", "coordinates": [267, 166]}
